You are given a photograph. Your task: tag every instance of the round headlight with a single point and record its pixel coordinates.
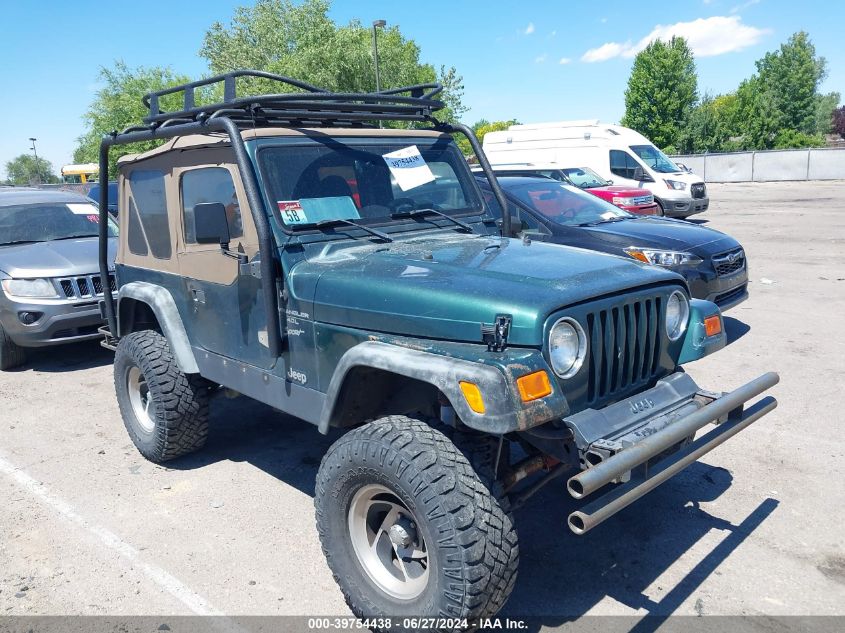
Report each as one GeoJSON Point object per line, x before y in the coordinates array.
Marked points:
{"type": "Point", "coordinates": [677, 315]}
{"type": "Point", "coordinates": [567, 347]}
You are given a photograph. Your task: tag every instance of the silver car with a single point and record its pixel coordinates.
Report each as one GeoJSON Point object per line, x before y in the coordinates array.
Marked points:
{"type": "Point", "coordinates": [49, 271]}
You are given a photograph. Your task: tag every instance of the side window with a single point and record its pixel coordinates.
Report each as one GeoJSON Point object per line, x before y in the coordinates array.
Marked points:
{"type": "Point", "coordinates": [148, 226]}
{"type": "Point", "coordinates": [530, 223]}
{"type": "Point", "coordinates": [620, 164]}
{"type": "Point", "coordinates": [209, 184]}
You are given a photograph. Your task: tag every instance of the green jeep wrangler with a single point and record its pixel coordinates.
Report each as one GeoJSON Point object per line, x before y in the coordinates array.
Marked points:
{"type": "Point", "coordinates": [289, 248]}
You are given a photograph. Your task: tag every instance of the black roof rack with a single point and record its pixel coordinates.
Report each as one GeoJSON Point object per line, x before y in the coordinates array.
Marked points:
{"type": "Point", "coordinates": [307, 106]}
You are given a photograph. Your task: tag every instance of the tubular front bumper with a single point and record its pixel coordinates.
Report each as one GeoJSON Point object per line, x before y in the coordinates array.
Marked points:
{"type": "Point", "coordinates": [676, 412]}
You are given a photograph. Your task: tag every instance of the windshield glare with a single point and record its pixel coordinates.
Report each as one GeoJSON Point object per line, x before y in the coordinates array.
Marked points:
{"type": "Point", "coordinates": [43, 222]}
{"type": "Point", "coordinates": [565, 204]}
{"type": "Point", "coordinates": [655, 159]}
{"type": "Point", "coordinates": [584, 177]}
{"type": "Point", "coordinates": [353, 180]}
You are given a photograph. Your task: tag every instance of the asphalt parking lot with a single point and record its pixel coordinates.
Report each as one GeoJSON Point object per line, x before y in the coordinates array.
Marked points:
{"type": "Point", "coordinates": [87, 526]}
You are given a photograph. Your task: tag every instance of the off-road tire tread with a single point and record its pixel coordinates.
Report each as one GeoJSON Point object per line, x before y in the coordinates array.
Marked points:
{"type": "Point", "coordinates": [483, 528]}
{"type": "Point", "coordinates": [181, 399]}
{"type": "Point", "coordinates": [11, 354]}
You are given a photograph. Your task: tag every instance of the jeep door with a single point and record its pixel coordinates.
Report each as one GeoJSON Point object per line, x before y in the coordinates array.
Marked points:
{"type": "Point", "coordinates": [224, 298]}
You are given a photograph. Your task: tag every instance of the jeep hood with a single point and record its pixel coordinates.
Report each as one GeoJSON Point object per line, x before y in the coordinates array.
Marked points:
{"type": "Point", "coordinates": [446, 287]}
{"type": "Point", "coordinates": [56, 258]}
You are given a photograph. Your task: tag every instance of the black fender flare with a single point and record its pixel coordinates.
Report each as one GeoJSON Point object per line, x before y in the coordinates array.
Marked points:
{"type": "Point", "coordinates": [163, 306]}
{"type": "Point", "coordinates": [504, 410]}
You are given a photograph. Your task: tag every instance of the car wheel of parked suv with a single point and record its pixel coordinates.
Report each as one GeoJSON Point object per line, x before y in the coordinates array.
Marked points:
{"type": "Point", "coordinates": [408, 526]}
{"type": "Point", "coordinates": [164, 410]}
{"type": "Point", "coordinates": [11, 355]}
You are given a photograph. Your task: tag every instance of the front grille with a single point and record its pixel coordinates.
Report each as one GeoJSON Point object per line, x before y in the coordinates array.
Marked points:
{"type": "Point", "coordinates": [624, 344]}
{"type": "Point", "coordinates": [84, 287]}
{"type": "Point", "coordinates": [643, 200]}
{"type": "Point", "coordinates": [729, 263]}
{"type": "Point", "coordinates": [698, 190]}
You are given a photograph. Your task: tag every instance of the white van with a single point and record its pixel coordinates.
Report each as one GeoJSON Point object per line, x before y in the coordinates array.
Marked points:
{"type": "Point", "coordinates": [618, 153]}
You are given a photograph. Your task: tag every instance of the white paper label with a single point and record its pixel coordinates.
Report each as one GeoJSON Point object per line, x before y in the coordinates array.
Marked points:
{"type": "Point", "coordinates": [82, 208]}
{"type": "Point", "coordinates": [408, 167]}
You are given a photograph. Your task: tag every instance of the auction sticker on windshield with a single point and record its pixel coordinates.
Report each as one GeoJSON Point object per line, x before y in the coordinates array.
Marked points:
{"type": "Point", "coordinates": [292, 212]}
{"type": "Point", "coordinates": [408, 167]}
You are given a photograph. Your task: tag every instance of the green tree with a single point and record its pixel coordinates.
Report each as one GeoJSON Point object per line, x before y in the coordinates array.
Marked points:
{"type": "Point", "coordinates": [482, 127]}
{"type": "Point", "coordinates": [790, 78]}
{"type": "Point", "coordinates": [24, 170]}
{"type": "Point", "coordinates": [662, 90]}
{"type": "Point", "coordinates": [117, 105]}
{"type": "Point", "coordinates": [825, 105]}
{"type": "Point", "coordinates": [301, 41]}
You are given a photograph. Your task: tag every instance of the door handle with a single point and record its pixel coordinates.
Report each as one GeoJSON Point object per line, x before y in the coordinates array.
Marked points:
{"type": "Point", "coordinates": [197, 295]}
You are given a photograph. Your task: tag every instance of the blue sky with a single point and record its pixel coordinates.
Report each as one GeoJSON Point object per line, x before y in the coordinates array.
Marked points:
{"type": "Point", "coordinates": [533, 60]}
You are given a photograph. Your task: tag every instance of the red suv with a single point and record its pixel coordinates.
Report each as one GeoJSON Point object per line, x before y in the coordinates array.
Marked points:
{"type": "Point", "coordinates": [639, 201]}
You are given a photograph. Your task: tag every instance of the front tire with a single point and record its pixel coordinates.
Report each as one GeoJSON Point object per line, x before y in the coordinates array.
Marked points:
{"type": "Point", "coordinates": [408, 527]}
{"type": "Point", "coordinates": [11, 354]}
{"type": "Point", "coordinates": [165, 411]}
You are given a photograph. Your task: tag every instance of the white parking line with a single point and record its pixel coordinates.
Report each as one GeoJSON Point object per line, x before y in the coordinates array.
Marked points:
{"type": "Point", "coordinates": [172, 585]}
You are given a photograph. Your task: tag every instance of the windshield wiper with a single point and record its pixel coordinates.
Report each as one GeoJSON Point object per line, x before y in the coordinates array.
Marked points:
{"type": "Point", "coordinates": [418, 213]}
{"type": "Point", "coordinates": [607, 221]}
{"type": "Point", "coordinates": [71, 237]}
{"type": "Point", "coordinates": [20, 242]}
{"type": "Point", "coordinates": [322, 224]}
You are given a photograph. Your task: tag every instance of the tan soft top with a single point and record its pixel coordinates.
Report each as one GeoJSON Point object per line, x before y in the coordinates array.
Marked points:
{"type": "Point", "coordinates": [221, 138]}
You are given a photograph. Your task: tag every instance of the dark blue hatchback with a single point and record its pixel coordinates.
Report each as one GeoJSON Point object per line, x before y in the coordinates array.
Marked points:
{"type": "Point", "coordinates": [713, 263]}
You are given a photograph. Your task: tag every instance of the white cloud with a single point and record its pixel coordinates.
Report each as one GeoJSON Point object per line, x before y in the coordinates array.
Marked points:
{"type": "Point", "coordinates": [603, 20]}
{"type": "Point", "coordinates": [564, 60]}
{"type": "Point", "coordinates": [707, 37]}
{"type": "Point", "coordinates": [553, 33]}
{"type": "Point", "coordinates": [744, 6]}
{"type": "Point", "coordinates": [529, 29]}
{"type": "Point", "coordinates": [540, 58]}
{"type": "Point", "coordinates": [605, 52]}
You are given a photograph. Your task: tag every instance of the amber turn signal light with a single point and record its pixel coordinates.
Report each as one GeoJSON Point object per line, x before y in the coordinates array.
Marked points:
{"type": "Point", "coordinates": [472, 394]}
{"type": "Point", "coordinates": [534, 386]}
{"type": "Point", "coordinates": [712, 325]}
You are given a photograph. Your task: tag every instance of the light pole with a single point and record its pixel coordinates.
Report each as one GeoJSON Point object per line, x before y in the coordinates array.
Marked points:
{"type": "Point", "coordinates": [37, 169]}
{"type": "Point", "coordinates": [376, 25]}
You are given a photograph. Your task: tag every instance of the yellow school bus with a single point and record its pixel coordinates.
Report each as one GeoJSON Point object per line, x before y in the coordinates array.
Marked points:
{"type": "Point", "coordinates": [85, 172]}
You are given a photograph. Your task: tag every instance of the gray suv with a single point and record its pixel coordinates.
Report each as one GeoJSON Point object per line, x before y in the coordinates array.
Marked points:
{"type": "Point", "coordinates": [49, 272]}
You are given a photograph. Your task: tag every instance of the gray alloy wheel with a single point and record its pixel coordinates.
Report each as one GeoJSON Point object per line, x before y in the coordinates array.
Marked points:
{"type": "Point", "coordinates": [385, 539]}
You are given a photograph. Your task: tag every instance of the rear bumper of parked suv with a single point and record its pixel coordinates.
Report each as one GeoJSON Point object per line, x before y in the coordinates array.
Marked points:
{"type": "Point", "coordinates": [53, 321]}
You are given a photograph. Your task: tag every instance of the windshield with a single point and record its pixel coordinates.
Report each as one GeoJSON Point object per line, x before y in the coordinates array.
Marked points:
{"type": "Point", "coordinates": [366, 180]}
{"type": "Point", "coordinates": [47, 221]}
{"type": "Point", "coordinates": [584, 177]}
{"type": "Point", "coordinates": [655, 159]}
{"type": "Point", "coordinates": [564, 204]}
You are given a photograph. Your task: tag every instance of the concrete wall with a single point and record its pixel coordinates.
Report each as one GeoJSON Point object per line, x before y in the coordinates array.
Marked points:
{"type": "Point", "coordinates": [774, 165]}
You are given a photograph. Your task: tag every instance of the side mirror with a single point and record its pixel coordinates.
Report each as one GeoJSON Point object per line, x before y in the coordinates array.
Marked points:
{"type": "Point", "coordinates": [211, 224]}
{"type": "Point", "coordinates": [639, 174]}
{"type": "Point", "coordinates": [516, 223]}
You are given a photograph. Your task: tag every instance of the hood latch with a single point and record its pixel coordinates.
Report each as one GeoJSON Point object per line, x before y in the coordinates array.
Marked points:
{"type": "Point", "coordinates": [495, 335]}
